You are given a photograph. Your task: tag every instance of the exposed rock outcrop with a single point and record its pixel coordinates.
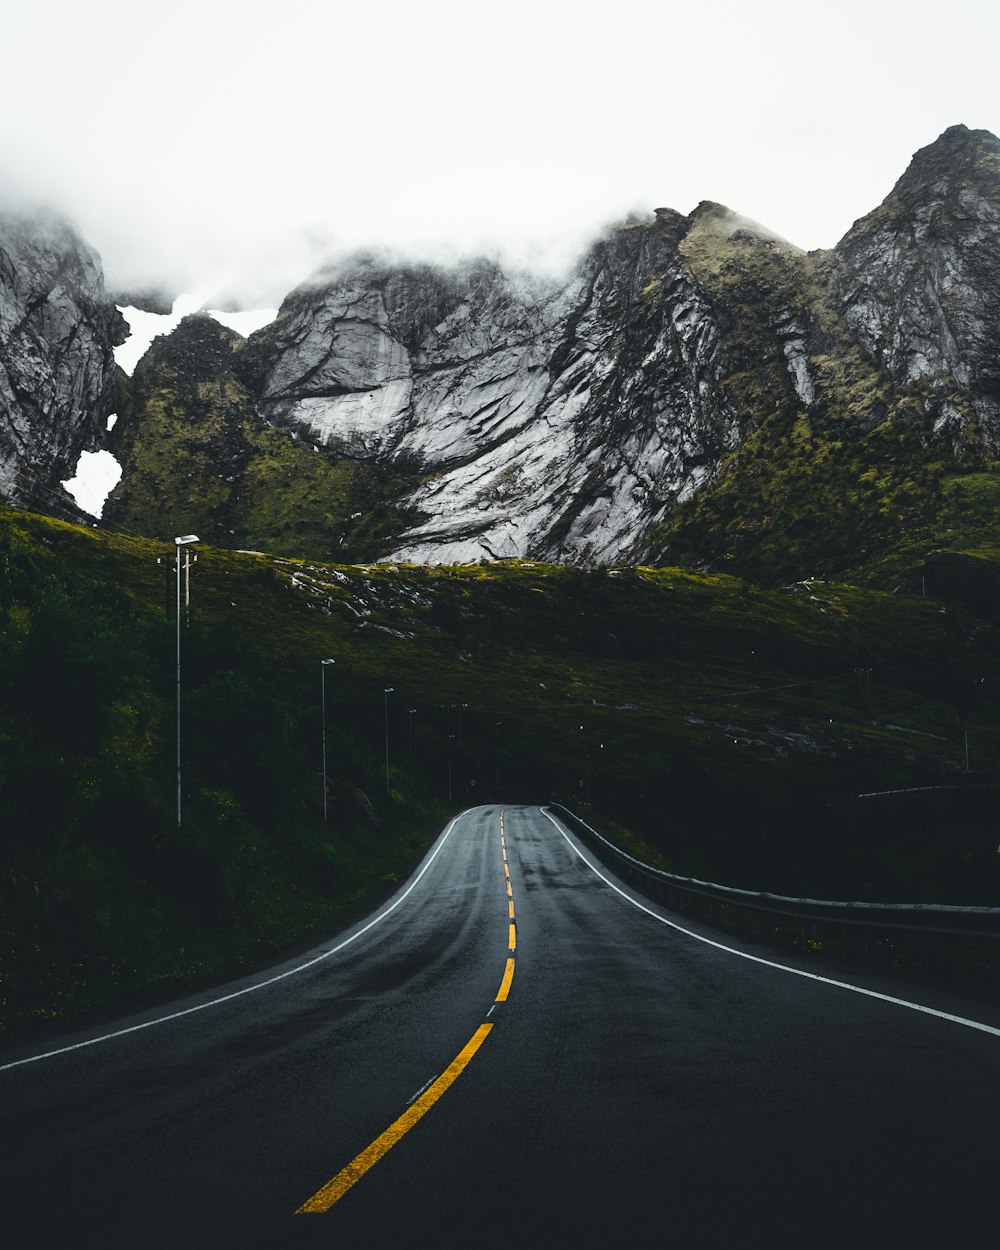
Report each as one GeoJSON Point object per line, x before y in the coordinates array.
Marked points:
{"type": "Point", "coordinates": [543, 420]}
{"type": "Point", "coordinates": [918, 281]}
{"type": "Point", "coordinates": [58, 331]}
{"type": "Point", "coordinates": [693, 389]}
{"type": "Point", "coordinates": [197, 456]}
{"type": "Point", "coordinates": [697, 390]}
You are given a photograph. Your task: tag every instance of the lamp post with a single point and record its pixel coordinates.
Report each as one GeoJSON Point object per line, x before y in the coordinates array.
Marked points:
{"type": "Point", "coordinates": [412, 710]}
{"type": "Point", "coordinates": [388, 691]}
{"type": "Point", "coordinates": [451, 739]}
{"type": "Point", "coordinates": [322, 679]}
{"type": "Point", "coordinates": [180, 542]}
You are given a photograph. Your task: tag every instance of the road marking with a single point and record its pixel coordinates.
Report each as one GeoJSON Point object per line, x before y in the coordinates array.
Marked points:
{"type": "Point", "coordinates": [414, 1097]}
{"type": "Point", "coordinates": [506, 871]}
{"type": "Point", "coordinates": [512, 939]}
{"type": "Point", "coordinates": [508, 976]}
{"type": "Point", "coordinates": [335, 1189]}
{"type": "Point", "coordinates": [505, 855]}
{"type": "Point", "coordinates": [419, 1104]}
{"type": "Point", "coordinates": [510, 892]}
{"type": "Point", "coordinates": [250, 989]}
{"type": "Point", "coordinates": [510, 909]}
{"type": "Point", "coordinates": [797, 972]}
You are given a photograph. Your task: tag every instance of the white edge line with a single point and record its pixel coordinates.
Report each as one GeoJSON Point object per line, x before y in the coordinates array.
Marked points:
{"type": "Point", "coordinates": [426, 1085]}
{"type": "Point", "coordinates": [250, 989]}
{"type": "Point", "coordinates": [810, 976]}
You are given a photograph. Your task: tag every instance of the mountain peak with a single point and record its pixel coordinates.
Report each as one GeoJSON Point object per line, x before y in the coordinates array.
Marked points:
{"type": "Point", "coordinates": [199, 346]}
{"type": "Point", "coordinates": [958, 154]}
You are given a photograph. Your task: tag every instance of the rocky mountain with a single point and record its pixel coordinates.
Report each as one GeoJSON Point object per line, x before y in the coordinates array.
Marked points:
{"type": "Point", "coordinates": [541, 420]}
{"type": "Point", "coordinates": [197, 456]}
{"type": "Point", "coordinates": [698, 390]}
{"type": "Point", "coordinates": [918, 283]}
{"type": "Point", "coordinates": [58, 331]}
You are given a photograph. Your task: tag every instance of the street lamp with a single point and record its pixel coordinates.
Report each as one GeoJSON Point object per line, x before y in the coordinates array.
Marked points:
{"type": "Point", "coordinates": [388, 691]}
{"type": "Point", "coordinates": [322, 678]}
{"type": "Point", "coordinates": [412, 710]}
{"type": "Point", "coordinates": [451, 739]}
{"type": "Point", "coordinates": [180, 542]}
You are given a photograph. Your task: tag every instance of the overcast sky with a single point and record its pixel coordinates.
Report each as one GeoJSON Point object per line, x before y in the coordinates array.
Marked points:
{"type": "Point", "coordinates": [224, 146]}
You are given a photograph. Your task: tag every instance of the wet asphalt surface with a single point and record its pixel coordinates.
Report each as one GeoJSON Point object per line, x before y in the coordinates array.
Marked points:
{"type": "Point", "coordinates": [638, 1086]}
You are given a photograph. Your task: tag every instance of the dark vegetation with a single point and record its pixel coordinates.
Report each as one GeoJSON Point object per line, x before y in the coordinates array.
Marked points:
{"type": "Point", "coordinates": [856, 485]}
{"type": "Point", "coordinates": [719, 730]}
{"type": "Point", "coordinates": [197, 456]}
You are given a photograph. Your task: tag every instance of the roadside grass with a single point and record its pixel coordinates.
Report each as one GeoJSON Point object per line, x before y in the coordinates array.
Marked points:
{"type": "Point", "coordinates": [720, 729]}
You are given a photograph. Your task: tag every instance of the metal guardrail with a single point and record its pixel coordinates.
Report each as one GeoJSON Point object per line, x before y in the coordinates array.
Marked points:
{"type": "Point", "coordinates": [928, 919]}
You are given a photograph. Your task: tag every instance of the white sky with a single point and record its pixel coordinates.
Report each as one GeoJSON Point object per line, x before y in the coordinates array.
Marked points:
{"type": "Point", "coordinates": [226, 147]}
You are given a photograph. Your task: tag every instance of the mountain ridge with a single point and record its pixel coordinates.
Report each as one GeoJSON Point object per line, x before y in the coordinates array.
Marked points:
{"type": "Point", "coordinates": [697, 389]}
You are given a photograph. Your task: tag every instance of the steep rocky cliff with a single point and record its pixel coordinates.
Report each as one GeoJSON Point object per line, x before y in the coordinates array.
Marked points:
{"type": "Point", "coordinates": [883, 445]}
{"type": "Point", "coordinates": [540, 420]}
{"type": "Point", "coordinates": [197, 456]}
{"type": "Point", "coordinates": [58, 331]}
{"type": "Point", "coordinates": [918, 282]}
{"type": "Point", "coordinates": [697, 390]}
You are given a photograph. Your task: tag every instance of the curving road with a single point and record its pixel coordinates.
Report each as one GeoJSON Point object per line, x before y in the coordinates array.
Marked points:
{"type": "Point", "coordinates": [516, 1049]}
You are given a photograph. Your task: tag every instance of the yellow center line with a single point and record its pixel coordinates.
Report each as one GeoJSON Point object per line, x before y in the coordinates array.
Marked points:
{"type": "Point", "coordinates": [324, 1198]}
{"type": "Point", "coordinates": [335, 1189]}
{"type": "Point", "coordinates": [508, 976]}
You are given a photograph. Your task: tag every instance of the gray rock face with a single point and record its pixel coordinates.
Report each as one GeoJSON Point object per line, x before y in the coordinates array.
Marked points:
{"type": "Point", "coordinates": [696, 389]}
{"type": "Point", "coordinates": [57, 370]}
{"type": "Point", "coordinates": [918, 281]}
{"type": "Point", "coordinates": [544, 420]}
{"type": "Point", "coordinates": [566, 421]}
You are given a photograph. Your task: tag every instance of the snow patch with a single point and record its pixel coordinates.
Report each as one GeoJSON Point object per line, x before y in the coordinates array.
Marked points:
{"type": "Point", "coordinates": [97, 474]}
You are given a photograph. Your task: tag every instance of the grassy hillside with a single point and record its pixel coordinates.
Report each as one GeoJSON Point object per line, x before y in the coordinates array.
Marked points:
{"type": "Point", "coordinates": [727, 729]}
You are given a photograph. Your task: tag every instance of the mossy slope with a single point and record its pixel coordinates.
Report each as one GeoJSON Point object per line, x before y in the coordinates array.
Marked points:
{"type": "Point", "coordinates": [731, 728]}
{"type": "Point", "coordinates": [196, 455]}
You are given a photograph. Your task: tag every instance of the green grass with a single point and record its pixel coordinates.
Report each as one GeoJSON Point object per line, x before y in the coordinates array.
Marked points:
{"type": "Point", "coordinates": [719, 726]}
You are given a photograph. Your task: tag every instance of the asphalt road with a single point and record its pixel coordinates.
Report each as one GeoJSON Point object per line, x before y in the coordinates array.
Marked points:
{"type": "Point", "coordinates": [634, 1085]}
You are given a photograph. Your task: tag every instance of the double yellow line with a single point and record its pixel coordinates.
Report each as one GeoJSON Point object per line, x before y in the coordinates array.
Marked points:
{"type": "Point", "coordinates": [335, 1189]}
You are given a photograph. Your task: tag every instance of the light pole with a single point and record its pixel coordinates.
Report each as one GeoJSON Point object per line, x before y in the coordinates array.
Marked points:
{"type": "Point", "coordinates": [388, 691]}
{"type": "Point", "coordinates": [451, 739]}
{"type": "Point", "coordinates": [412, 710]}
{"type": "Point", "coordinates": [322, 679]}
{"type": "Point", "coordinates": [180, 542]}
